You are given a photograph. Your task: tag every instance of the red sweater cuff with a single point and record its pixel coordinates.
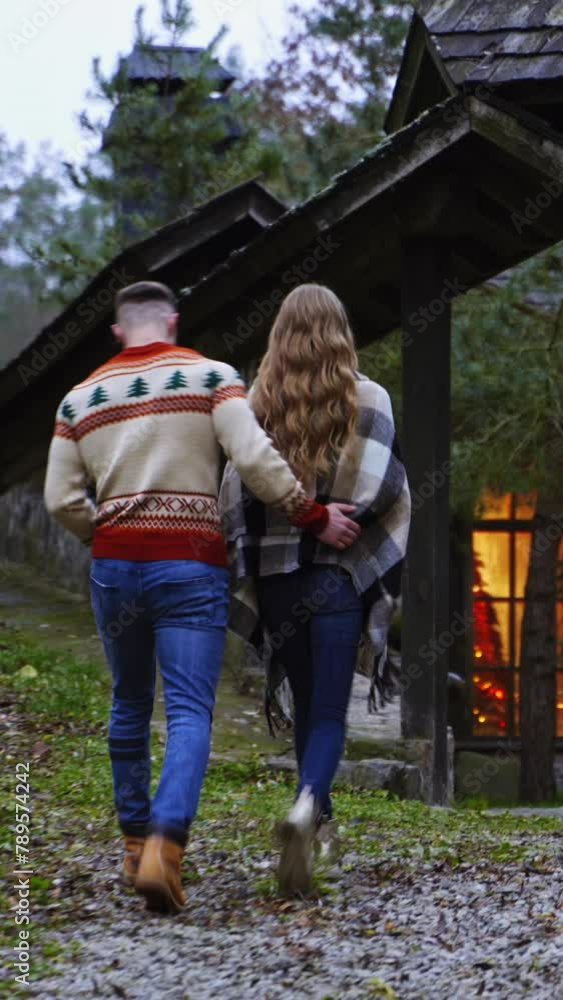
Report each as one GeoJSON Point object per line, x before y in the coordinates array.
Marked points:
{"type": "Point", "coordinates": [315, 520]}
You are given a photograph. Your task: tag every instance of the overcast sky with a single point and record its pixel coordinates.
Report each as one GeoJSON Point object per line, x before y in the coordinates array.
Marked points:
{"type": "Point", "coordinates": [44, 76]}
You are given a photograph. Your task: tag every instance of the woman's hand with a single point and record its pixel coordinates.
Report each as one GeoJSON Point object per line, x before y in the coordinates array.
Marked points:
{"type": "Point", "coordinates": [340, 531]}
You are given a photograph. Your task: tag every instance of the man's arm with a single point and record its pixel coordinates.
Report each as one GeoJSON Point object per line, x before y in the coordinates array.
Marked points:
{"type": "Point", "coordinates": [267, 474]}
{"type": "Point", "coordinates": [66, 496]}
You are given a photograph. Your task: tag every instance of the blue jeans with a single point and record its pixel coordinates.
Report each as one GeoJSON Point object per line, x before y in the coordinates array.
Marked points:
{"type": "Point", "coordinates": [317, 616]}
{"type": "Point", "coordinates": [174, 611]}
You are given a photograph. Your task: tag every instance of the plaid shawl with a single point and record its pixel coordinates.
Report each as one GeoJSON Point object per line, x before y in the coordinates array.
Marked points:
{"type": "Point", "coordinates": [369, 474]}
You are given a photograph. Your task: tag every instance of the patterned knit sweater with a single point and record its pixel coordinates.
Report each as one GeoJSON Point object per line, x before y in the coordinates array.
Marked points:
{"type": "Point", "coordinates": [145, 432]}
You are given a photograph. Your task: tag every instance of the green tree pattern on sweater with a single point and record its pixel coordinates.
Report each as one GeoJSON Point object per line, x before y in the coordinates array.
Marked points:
{"type": "Point", "coordinates": [68, 412]}
{"type": "Point", "coordinates": [177, 381]}
{"type": "Point", "coordinates": [98, 396]}
{"type": "Point", "coordinates": [138, 388]}
{"type": "Point", "coordinates": [213, 380]}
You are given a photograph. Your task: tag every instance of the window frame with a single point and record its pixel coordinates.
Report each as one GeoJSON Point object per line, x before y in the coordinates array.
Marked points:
{"type": "Point", "coordinates": [512, 526]}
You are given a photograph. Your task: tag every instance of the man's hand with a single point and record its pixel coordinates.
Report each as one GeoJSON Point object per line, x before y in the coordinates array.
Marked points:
{"type": "Point", "coordinates": [340, 531]}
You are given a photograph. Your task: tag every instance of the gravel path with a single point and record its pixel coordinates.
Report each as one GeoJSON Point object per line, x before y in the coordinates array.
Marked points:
{"type": "Point", "coordinates": [425, 932]}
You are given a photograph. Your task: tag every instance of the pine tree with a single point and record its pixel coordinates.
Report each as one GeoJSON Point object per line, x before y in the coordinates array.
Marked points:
{"type": "Point", "coordinates": [325, 99]}
{"type": "Point", "coordinates": [138, 388]}
{"type": "Point", "coordinates": [213, 380]}
{"type": "Point", "coordinates": [177, 381]}
{"type": "Point", "coordinates": [487, 638]}
{"type": "Point", "coordinates": [37, 271]}
{"type": "Point", "coordinates": [163, 148]}
{"type": "Point", "coordinates": [491, 696]}
{"type": "Point", "coordinates": [98, 396]}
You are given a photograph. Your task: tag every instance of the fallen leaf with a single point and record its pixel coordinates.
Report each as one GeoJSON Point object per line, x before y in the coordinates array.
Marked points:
{"type": "Point", "coordinates": [27, 672]}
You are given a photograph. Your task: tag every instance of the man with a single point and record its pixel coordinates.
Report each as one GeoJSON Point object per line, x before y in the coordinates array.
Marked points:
{"type": "Point", "coordinates": [147, 430]}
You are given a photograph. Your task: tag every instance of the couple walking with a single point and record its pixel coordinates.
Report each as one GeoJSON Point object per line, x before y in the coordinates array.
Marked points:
{"type": "Point", "coordinates": [312, 517]}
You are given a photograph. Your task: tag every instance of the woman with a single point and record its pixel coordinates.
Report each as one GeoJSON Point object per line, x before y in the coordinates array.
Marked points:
{"type": "Point", "coordinates": [335, 428]}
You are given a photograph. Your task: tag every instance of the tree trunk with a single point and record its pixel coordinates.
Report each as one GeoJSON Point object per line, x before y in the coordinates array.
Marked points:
{"type": "Point", "coordinates": [539, 662]}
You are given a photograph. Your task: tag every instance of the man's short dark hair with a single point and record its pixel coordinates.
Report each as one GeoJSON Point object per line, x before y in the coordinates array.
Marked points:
{"type": "Point", "coordinates": [144, 292]}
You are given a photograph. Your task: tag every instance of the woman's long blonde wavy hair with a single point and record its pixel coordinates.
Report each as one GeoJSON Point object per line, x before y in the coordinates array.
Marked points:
{"type": "Point", "coordinates": [305, 393]}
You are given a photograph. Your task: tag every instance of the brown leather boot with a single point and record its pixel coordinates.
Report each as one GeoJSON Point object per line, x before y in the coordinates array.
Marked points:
{"type": "Point", "coordinates": [131, 861]}
{"type": "Point", "coordinates": [159, 879]}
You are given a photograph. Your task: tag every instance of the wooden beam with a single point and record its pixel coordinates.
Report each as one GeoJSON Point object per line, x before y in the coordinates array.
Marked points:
{"type": "Point", "coordinates": [503, 188]}
{"type": "Point", "coordinates": [539, 148]}
{"type": "Point", "coordinates": [426, 432]}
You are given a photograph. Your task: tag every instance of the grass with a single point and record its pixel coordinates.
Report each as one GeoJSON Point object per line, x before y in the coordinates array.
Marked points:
{"type": "Point", "coordinates": [57, 707]}
{"type": "Point", "coordinates": [482, 802]}
{"type": "Point", "coordinates": [52, 684]}
{"type": "Point", "coordinates": [65, 708]}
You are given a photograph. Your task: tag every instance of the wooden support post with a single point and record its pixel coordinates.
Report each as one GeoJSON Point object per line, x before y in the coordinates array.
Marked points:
{"type": "Point", "coordinates": [426, 320]}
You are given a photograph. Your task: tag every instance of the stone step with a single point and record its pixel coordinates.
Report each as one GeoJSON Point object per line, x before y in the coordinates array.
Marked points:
{"type": "Point", "coordinates": [399, 778]}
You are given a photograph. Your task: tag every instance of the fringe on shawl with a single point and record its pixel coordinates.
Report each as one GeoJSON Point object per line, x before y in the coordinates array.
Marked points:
{"type": "Point", "coordinates": [384, 688]}
{"type": "Point", "coordinates": [384, 681]}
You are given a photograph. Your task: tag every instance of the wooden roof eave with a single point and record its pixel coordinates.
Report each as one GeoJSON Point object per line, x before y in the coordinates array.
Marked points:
{"type": "Point", "coordinates": [523, 138]}
{"type": "Point", "coordinates": [388, 164]}
{"type": "Point", "coordinates": [419, 44]}
{"type": "Point", "coordinates": [184, 234]}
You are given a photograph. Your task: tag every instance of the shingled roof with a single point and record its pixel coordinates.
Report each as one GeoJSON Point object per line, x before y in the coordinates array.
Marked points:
{"type": "Point", "coordinates": [497, 42]}
{"type": "Point", "coordinates": [513, 48]}
{"type": "Point", "coordinates": [158, 62]}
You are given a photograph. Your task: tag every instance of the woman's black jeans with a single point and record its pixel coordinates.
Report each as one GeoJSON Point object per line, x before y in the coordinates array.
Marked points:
{"type": "Point", "coordinates": [316, 616]}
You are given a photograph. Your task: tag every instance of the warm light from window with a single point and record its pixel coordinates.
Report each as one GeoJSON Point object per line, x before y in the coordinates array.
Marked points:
{"type": "Point", "coordinates": [495, 506]}
{"type": "Point", "coordinates": [500, 572]}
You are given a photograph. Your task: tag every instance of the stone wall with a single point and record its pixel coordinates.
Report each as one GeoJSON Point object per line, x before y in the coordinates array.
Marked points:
{"type": "Point", "coordinates": [28, 535]}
